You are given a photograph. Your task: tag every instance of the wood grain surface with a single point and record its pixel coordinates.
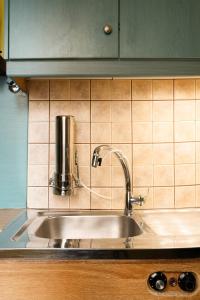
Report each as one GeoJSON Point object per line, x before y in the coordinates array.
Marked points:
{"type": "Point", "coordinates": [90, 280]}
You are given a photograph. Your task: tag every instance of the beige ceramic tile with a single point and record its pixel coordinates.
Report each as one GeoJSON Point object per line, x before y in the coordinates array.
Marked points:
{"type": "Point", "coordinates": [163, 89]}
{"type": "Point", "coordinates": [162, 111]}
{"type": "Point", "coordinates": [142, 89]}
{"type": "Point", "coordinates": [197, 173]}
{"type": "Point", "coordinates": [100, 111]}
{"type": "Point", "coordinates": [163, 197]}
{"type": "Point", "coordinates": [163, 132]}
{"type": "Point", "coordinates": [141, 111]}
{"type": "Point", "coordinates": [121, 89]}
{"type": "Point", "coordinates": [101, 133]}
{"type": "Point", "coordinates": [38, 111]}
{"type": "Point", "coordinates": [198, 195]}
{"type": "Point", "coordinates": [84, 175]}
{"type": "Point", "coordinates": [80, 89]}
{"type": "Point", "coordinates": [80, 110]}
{"type": "Point", "coordinates": [52, 150]}
{"type": "Point", "coordinates": [121, 111]}
{"type": "Point", "coordinates": [58, 202]}
{"type": "Point", "coordinates": [185, 174]}
{"type": "Point", "coordinates": [184, 131]}
{"type": "Point", "coordinates": [118, 198]}
{"type": "Point", "coordinates": [52, 132]}
{"type": "Point", "coordinates": [38, 175]}
{"type": "Point", "coordinates": [82, 133]}
{"type": "Point", "coordinates": [58, 108]}
{"type": "Point", "coordinates": [38, 154]}
{"type": "Point", "coordinates": [38, 89]}
{"type": "Point", "coordinates": [197, 152]}
{"type": "Point", "coordinates": [163, 154]}
{"type": "Point", "coordinates": [101, 176]}
{"type": "Point", "coordinates": [163, 175]}
{"type": "Point", "coordinates": [38, 132]}
{"type": "Point", "coordinates": [80, 200]}
{"type": "Point", "coordinates": [98, 202]}
{"type": "Point", "coordinates": [121, 132]}
{"type": "Point", "coordinates": [142, 132]}
{"type": "Point", "coordinates": [198, 89]}
{"type": "Point", "coordinates": [147, 193]}
{"type": "Point", "coordinates": [143, 176]}
{"type": "Point", "coordinates": [37, 197]}
{"type": "Point", "coordinates": [184, 89]}
{"type": "Point", "coordinates": [184, 196]}
{"type": "Point", "coordinates": [197, 130]}
{"type": "Point", "coordinates": [101, 89]}
{"type": "Point", "coordinates": [184, 153]}
{"type": "Point", "coordinates": [198, 110]}
{"type": "Point", "coordinates": [59, 89]}
{"type": "Point", "coordinates": [118, 179]}
{"type": "Point", "coordinates": [126, 150]}
{"type": "Point", "coordinates": [83, 151]}
{"type": "Point", "coordinates": [184, 110]}
{"type": "Point", "coordinates": [142, 154]}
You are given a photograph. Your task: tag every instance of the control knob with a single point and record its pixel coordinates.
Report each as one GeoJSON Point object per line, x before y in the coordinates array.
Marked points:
{"type": "Point", "coordinates": [158, 281]}
{"type": "Point", "coordinates": [187, 282]}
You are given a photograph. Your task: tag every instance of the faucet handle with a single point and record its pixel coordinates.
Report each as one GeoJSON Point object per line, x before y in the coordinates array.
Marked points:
{"type": "Point", "coordinates": [137, 200]}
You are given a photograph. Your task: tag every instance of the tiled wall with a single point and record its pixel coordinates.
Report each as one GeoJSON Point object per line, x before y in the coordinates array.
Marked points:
{"type": "Point", "coordinates": [156, 123]}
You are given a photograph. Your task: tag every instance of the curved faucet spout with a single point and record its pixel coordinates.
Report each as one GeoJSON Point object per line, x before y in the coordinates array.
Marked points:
{"type": "Point", "coordinates": [97, 160]}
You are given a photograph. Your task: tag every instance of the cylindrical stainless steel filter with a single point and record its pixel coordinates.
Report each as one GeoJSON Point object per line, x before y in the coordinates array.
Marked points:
{"type": "Point", "coordinates": [63, 181]}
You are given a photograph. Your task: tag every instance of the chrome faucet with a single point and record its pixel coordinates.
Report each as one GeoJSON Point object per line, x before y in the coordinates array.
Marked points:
{"type": "Point", "coordinates": [129, 199]}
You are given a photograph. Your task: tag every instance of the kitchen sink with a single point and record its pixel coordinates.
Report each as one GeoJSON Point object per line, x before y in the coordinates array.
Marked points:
{"type": "Point", "coordinates": [87, 227]}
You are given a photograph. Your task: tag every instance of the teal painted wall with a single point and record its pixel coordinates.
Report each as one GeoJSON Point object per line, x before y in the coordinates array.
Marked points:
{"type": "Point", "coordinates": [13, 147]}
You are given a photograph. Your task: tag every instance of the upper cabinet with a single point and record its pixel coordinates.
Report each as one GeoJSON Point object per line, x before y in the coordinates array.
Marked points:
{"type": "Point", "coordinates": [45, 29]}
{"type": "Point", "coordinates": [160, 29]}
{"type": "Point", "coordinates": [102, 37]}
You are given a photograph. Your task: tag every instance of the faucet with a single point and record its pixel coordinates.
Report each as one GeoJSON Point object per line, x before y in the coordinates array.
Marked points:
{"type": "Point", "coordinates": [129, 199]}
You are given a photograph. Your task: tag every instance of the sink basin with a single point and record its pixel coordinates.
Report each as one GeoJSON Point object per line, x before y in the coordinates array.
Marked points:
{"type": "Point", "coordinates": [87, 227]}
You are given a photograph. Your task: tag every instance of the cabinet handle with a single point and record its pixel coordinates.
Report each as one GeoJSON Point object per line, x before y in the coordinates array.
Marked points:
{"type": "Point", "coordinates": [107, 29]}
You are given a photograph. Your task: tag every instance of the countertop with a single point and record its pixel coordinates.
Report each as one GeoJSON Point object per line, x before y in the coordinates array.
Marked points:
{"type": "Point", "coordinates": [7, 216]}
{"type": "Point", "coordinates": [167, 234]}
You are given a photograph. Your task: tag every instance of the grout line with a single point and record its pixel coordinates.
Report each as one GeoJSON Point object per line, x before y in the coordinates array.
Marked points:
{"type": "Point", "coordinates": [122, 186]}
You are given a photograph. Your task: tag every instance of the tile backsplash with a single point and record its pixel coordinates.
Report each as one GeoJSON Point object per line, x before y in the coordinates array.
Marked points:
{"type": "Point", "coordinates": [156, 123]}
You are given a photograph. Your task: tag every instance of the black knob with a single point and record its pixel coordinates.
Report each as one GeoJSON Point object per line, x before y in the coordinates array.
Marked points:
{"type": "Point", "coordinates": [187, 282]}
{"type": "Point", "coordinates": [158, 281]}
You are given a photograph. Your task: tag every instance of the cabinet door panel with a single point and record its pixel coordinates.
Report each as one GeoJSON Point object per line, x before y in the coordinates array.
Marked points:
{"type": "Point", "coordinates": [160, 29]}
{"type": "Point", "coordinates": [62, 29]}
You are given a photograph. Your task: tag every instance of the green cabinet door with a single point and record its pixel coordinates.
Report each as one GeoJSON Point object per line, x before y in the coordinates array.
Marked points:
{"type": "Point", "coordinates": [45, 29]}
{"type": "Point", "coordinates": [160, 29]}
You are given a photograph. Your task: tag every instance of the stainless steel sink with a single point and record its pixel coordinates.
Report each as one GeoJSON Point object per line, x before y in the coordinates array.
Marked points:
{"type": "Point", "coordinates": [87, 227]}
